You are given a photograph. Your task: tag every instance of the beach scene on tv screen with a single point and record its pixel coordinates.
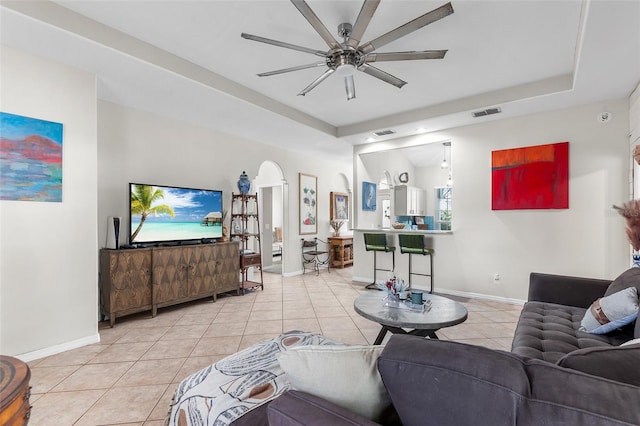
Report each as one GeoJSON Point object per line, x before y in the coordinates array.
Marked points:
{"type": "Point", "coordinates": [160, 213]}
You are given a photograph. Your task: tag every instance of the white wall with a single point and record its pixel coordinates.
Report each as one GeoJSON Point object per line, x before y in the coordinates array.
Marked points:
{"type": "Point", "coordinates": [48, 257]}
{"type": "Point", "coordinates": [587, 239]}
{"type": "Point", "coordinates": [135, 146]}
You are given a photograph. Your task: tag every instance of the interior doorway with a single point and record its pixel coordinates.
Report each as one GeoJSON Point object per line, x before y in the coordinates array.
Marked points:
{"type": "Point", "coordinates": [271, 185]}
{"type": "Point", "coordinates": [272, 223]}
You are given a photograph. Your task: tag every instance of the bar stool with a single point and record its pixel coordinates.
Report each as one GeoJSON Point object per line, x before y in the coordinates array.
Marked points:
{"type": "Point", "coordinates": [414, 244]}
{"type": "Point", "coordinates": [378, 243]}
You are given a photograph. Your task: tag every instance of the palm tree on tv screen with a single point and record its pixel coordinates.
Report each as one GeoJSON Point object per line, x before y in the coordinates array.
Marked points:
{"type": "Point", "coordinates": [142, 199]}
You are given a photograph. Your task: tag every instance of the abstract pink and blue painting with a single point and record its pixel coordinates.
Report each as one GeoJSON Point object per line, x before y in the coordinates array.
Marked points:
{"type": "Point", "coordinates": [30, 159]}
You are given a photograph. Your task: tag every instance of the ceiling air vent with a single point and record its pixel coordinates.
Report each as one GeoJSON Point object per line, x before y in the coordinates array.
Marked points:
{"type": "Point", "coordinates": [384, 132]}
{"type": "Point", "coordinates": [487, 111]}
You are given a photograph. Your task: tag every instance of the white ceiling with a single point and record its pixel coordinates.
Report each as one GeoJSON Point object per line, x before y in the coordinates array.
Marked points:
{"type": "Point", "coordinates": [186, 60]}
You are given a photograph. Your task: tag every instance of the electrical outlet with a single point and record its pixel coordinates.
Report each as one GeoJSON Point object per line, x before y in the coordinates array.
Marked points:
{"type": "Point", "coordinates": [496, 278]}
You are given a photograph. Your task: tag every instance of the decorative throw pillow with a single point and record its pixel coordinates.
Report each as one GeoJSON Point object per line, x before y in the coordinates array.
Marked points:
{"type": "Point", "coordinates": [611, 312]}
{"type": "Point", "coordinates": [346, 376]}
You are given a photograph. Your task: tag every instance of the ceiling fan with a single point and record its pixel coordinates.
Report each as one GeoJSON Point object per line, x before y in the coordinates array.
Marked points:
{"type": "Point", "coordinates": [350, 55]}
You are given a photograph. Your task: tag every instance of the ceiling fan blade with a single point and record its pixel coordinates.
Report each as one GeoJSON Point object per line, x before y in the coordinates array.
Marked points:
{"type": "Point", "coordinates": [362, 22]}
{"type": "Point", "coordinates": [384, 76]}
{"type": "Point", "coordinates": [315, 22]}
{"type": "Point", "coordinates": [317, 81]}
{"type": "Point", "coordinates": [283, 44]}
{"type": "Point", "coordinates": [298, 68]}
{"type": "Point", "coordinates": [409, 27]}
{"type": "Point", "coordinates": [405, 56]}
{"type": "Point", "coordinates": [350, 87]}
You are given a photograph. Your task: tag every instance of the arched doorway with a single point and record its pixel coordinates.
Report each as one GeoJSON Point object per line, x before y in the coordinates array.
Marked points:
{"type": "Point", "coordinates": [272, 189]}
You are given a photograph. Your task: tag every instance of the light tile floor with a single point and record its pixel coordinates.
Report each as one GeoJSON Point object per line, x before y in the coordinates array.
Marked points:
{"type": "Point", "coordinates": [131, 375]}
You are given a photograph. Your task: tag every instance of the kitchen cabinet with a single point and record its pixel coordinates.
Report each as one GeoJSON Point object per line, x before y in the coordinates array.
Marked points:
{"type": "Point", "coordinates": [410, 201]}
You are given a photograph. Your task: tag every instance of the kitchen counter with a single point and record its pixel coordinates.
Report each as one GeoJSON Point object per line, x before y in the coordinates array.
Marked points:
{"type": "Point", "coordinates": [363, 260]}
{"type": "Point", "coordinates": [403, 231]}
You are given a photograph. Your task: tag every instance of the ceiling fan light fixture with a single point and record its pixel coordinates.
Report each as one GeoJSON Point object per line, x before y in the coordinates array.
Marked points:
{"type": "Point", "coordinates": [346, 70]}
{"type": "Point", "coordinates": [350, 56]}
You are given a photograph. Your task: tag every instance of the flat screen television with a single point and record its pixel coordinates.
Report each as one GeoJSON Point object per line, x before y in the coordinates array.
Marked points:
{"type": "Point", "coordinates": [171, 214]}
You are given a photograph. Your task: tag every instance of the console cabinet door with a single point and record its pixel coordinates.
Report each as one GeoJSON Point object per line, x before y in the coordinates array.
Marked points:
{"type": "Point", "coordinates": [125, 281]}
{"type": "Point", "coordinates": [201, 270]}
{"type": "Point", "coordinates": [170, 275]}
{"type": "Point", "coordinates": [227, 267]}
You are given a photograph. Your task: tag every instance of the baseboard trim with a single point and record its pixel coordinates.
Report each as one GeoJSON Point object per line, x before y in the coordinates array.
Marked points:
{"type": "Point", "coordinates": [56, 349]}
{"type": "Point", "coordinates": [481, 296]}
{"type": "Point", "coordinates": [460, 293]}
{"type": "Point", "coordinates": [300, 272]}
{"type": "Point", "coordinates": [367, 280]}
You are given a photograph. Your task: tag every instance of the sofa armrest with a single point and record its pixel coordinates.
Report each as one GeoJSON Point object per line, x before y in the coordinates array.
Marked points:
{"type": "Point", "coordinates": [565, 290]}
{"type": "Point", "coordinates": [444, 383]}
{"type": "Point", "coordinates": [299, 408]}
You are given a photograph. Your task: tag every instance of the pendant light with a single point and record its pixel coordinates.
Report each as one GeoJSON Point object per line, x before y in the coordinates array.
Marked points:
{"type": "Point", "coordinates": [445, 164]}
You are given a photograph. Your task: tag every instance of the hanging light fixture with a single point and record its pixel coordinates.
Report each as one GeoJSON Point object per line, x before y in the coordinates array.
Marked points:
{"type": "Point", "coordinates": [450, 180]}
{"type": "Point", "coordinates": [445, 164]}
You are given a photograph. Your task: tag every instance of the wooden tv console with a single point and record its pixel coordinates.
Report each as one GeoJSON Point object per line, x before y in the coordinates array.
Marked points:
{"type": "Point", "coordinates": [142, 279]}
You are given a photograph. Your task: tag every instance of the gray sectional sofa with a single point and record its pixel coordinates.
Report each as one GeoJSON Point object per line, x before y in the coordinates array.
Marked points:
{"type": "Point", "coordinates": [554, 375]}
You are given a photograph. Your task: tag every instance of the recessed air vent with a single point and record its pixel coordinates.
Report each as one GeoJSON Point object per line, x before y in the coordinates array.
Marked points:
{"type": "Point", "coordinates": [488, 111]}
{"type": "Point", "coordinates": [384, 132]}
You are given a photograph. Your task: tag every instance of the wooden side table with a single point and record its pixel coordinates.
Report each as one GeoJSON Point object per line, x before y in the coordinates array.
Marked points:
{"type": "Point", "coordinates": [14, 392]}
{"type": "Point", "coordinates": [341, 251]}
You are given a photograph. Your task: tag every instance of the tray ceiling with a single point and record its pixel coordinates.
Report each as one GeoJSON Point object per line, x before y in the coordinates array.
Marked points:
{"type": "Point", "coordinates": [186, 59]}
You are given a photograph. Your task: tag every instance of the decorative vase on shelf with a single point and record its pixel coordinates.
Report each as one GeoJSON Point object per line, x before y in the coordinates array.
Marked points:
{"type": "Point", "coordinates": [636, 259]}
{"type": "Point", "coordinates": [244, 184]}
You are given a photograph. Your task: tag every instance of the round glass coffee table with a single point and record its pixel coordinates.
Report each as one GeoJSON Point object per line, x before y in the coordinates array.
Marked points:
{"type": "Point", "coordinates": [440, 313]}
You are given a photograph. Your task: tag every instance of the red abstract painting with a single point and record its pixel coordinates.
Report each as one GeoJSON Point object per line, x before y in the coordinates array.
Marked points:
{"type": "Point", "coordinates": [535, 177]}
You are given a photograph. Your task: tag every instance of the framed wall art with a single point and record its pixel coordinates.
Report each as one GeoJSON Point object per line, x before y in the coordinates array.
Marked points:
{"type": "Point", "coordinates": [308, 197]}
{"type": "Point", "coordinates": [30, 159]}
{"type": "Point", "coordinates": [339, 205]}
{"type": "Point", "coordinates": [368, 196]}
{"type": "Point", "coordinates": [534, 177]}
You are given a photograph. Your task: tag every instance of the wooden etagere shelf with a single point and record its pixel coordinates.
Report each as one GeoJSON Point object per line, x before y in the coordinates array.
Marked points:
{"type": "Point", "coordinates": [245, 228]}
